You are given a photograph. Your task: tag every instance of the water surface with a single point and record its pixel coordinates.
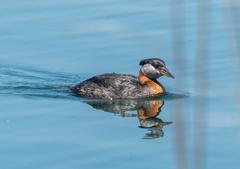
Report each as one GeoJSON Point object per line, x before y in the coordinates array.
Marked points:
{"type": "Point", "coordinates": [49, 45]}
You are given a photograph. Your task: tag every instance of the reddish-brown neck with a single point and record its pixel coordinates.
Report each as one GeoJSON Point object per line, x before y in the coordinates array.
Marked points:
{"type": "Point", "coordinates": [155, 87]}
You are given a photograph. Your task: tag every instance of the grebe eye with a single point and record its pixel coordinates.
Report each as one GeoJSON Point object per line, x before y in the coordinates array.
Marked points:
{"type": "Point", "coordinates": [156, 65]}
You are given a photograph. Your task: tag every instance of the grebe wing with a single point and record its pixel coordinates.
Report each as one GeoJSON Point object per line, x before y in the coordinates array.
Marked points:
{"type": "Point", "coordinates": [108, 86]}
{"type": "Point", "coordinates": [113, 80]}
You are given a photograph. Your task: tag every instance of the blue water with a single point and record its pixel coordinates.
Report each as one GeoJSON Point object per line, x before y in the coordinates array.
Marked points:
{"type": "Point", "coordinates": [49, 45]}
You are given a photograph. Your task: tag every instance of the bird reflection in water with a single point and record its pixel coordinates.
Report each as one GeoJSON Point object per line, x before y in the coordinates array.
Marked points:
{"type": "Point", "coordinates": [147, 116]}
{"type": "Point", "coordinates": [147, 113]}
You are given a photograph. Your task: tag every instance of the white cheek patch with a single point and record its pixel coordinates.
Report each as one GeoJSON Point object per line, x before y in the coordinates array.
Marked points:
{"type": "Point", "coordinates": [150, 71]}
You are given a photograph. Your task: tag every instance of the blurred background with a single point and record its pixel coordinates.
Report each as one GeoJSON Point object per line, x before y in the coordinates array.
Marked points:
{"type": "Point", "coordinates": [51, 44]}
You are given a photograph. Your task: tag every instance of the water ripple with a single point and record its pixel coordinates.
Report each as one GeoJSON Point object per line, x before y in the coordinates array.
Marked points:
{"type": "Point", "coordinates": [35, 83]}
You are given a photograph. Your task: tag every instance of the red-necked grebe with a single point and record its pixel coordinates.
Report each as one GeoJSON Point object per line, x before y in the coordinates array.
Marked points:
{"type": "Point", "coordinates": [123, 86]}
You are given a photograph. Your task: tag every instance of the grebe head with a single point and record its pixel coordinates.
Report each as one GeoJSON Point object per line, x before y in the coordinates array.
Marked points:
{"type": "Point", "coordinates": [154, 68]}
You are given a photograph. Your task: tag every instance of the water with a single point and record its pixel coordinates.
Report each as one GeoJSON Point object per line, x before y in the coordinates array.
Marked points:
{"type": "Point", "coordinates": [47, 46]}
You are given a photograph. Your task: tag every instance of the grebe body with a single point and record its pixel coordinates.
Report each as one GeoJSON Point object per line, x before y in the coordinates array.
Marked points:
{"type": "Point", "coordinates": [125, 86]}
